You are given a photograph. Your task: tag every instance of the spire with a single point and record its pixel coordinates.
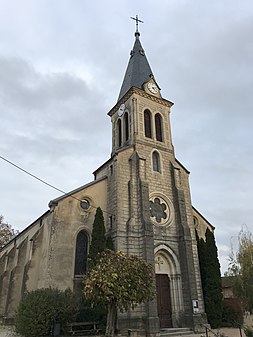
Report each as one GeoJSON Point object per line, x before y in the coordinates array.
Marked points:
{"type": "Point", "coordinates": [138, 70]}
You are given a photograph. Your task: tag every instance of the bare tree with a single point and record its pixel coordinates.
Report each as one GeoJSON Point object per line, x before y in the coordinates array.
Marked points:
{"type": "Point", "coordinates": [6, 232]}
{"type": "Point", "coordinates": [241, 267]}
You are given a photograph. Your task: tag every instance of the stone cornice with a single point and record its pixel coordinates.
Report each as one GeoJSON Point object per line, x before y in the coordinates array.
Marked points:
{"type": "Point", "coordinates": [142, 93]}
{"type": "Point", "coordinates": [151, 144]}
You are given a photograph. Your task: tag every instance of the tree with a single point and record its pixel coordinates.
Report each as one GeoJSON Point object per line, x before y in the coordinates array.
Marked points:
{"type": "Point", "coordinates": [98, 239]}
{"type": "Point", "coordinates": [6, 232]}
{"type": "Point", "coordinates": [99, 242]}
{"type": "Point", "coordinates": [241, 268]}
{"type": "Point", "coordinates": [121, 281]}
{"type": "Point", "coordinates": [211, 279]}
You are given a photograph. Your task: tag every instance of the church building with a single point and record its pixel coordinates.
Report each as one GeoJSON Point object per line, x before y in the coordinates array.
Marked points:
{"type": "Point", "coordinates": [145, 196]}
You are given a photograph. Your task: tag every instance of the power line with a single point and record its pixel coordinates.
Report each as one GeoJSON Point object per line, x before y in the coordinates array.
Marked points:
{"type": "Point", "coordinates": [46, 183]}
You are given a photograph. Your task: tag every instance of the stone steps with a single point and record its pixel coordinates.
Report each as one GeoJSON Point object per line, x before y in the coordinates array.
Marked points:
{"type": "Point", "coordinates": [169, 332]}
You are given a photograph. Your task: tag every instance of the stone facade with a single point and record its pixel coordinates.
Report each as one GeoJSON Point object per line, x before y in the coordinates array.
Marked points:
{"type": "Point", "coordinates": [145, 195]}
{"type": "Point", "coordinates": [43, 254]}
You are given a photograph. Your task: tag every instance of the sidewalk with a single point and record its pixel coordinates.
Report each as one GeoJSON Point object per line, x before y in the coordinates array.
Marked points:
{"type": "Point", "coordinates": [7, 331]}
{"type": "Point", "coordinates": [223, 332]}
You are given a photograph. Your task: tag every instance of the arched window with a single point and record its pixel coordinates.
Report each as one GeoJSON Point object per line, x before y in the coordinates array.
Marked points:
{"type": "Point", "coordinates": [81, 253]}
{"type": "Point", "coordinates": [158, 127]}
{"type": "Point", "coordinates": [147, 124]}
{"type": "Point", "coordinates": [126, 125]}
{"type": "Point", "coordinates": [156, 161]}
{"type": "Point", "coordinates": [119, 127]}
{"type": "Point", "coordinates": [196, 222]}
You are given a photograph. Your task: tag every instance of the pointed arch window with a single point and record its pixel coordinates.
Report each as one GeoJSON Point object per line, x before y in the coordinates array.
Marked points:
{"type": "Point", "coordinates": [119, 128]}
{"type": "Point", "coordinates": [158, 127]}
{"type": "Point", "coordinates": [156, 161]}
{"type": "Point", "coordinates": [147, 124]}
{"type": "Point", "coordinates": [126, 126]}
{"type": "Point", "coordinates": [81, 253]}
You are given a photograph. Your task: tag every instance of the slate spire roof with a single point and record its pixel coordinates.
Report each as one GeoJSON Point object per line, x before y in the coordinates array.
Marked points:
{"type": "Point", "coordinates": [138, 70]}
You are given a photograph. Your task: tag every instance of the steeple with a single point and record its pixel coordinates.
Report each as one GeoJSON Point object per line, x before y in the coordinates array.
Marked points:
{"type": "Point", "coordinates": [138, 70]}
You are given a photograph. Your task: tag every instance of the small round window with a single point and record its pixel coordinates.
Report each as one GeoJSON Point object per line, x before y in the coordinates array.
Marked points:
{"type": "Point", "coordinates": [85, 204]}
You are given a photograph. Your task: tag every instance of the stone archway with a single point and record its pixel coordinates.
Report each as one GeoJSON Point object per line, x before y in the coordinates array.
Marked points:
{"type": "Point", "coordinates": [169, 287]}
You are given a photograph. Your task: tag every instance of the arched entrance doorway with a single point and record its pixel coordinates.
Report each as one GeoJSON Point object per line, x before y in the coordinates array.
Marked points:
{"type": "Point", "coordinates": [169, 287]}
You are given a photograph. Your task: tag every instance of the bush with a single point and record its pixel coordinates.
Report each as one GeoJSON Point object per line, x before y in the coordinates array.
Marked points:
{"type": "Point", "coordinates": [232, 315]}
{"type": "Point", "coordinates": [38, 308]}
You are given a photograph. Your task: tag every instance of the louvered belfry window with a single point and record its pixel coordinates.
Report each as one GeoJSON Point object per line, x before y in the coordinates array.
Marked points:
{"type": "Point", "coordinates": [147, 124]}
{"type": "Point", "coordinates": [119, 133]}
{"type": "Point", "coordinates": [158, 127]}
{"type": "Point", "coordinates": [126, 123]}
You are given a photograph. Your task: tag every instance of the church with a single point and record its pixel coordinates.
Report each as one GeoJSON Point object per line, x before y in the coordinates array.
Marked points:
{"type": "Point", "coordinates": [145, 196]}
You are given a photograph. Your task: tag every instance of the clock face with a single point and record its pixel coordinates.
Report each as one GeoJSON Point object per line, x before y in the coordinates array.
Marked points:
{"type": "Point", "coordinates": [121, 110]}
{"type": "Point", "coordinates": [152, 88]}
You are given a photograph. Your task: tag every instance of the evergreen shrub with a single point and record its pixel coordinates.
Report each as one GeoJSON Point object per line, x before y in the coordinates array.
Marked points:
{"type": "Point", "coordinates": [98, 239]}
{"type": "Point", "coordinates": [38, 309]}
{"type": "Point", "coordinates": [211, 278]}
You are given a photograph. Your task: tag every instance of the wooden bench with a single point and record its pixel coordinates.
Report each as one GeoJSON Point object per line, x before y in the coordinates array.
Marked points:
{"type": "Point", "coordinates": [83, 328]}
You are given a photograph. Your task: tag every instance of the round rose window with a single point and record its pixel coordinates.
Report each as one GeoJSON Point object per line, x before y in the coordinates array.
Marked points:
{"type": "Point", "coordinates": [161, 210]}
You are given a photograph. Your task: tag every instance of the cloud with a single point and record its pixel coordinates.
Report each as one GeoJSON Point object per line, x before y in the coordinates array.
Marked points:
{"type": "Point", "coordinates": [47, 113]}
{"type": "Point", "coordinates": [49, 125]}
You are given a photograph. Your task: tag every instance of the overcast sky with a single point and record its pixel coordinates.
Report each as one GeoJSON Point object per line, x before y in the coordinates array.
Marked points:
{"type": "Point", "coordinates": [61, 67]}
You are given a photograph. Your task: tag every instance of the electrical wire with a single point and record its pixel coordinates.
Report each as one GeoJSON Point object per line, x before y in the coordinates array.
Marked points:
{"type": "Point", "coordinates": [46, 183]}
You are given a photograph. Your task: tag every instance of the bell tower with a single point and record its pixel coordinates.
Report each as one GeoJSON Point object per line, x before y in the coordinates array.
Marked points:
{"type": "Point", "coordinates": [140, 91]}
{"type": "Point", "coordinates": [149, 196]}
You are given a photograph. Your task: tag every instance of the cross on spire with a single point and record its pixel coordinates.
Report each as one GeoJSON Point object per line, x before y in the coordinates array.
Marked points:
{"type": "Point", "coordinates": [137, 22]}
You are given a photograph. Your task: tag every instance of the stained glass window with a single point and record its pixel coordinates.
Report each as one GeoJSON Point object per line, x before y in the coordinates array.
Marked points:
{"type": "Point", "coordinates": [156, 161]}
{"type": "Point", "coordinates": [157, 210]}
{"type": "Point", "coordinates": [81, 253]}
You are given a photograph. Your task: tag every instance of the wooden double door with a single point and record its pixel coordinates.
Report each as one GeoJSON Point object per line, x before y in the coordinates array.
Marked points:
{"type": "Point", "coordinates": [164, 300]}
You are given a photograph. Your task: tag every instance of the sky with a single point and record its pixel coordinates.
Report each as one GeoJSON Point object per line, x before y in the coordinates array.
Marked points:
{"type": "Point", "coordinates": [62, 64]}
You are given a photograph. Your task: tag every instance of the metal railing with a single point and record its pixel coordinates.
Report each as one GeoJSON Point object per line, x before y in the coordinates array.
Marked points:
{"type": "Point", "coordinates": [220, 334]}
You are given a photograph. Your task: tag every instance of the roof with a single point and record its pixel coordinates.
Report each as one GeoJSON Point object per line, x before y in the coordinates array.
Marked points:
{"type": "Point", "coordinates": [195, 209]}
{"type": "Point", "coordinates": [227, 281]}
{"type": "Point", "coordinates": [138, 70]}
{"type": "Point", "coordinates": [26, 229]}
{"type": "Point", "coordinates": [56, 200]}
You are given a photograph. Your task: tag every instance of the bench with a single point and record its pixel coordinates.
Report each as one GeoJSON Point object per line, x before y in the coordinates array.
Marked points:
{"type": "Point", "coordinates": [85, 328]}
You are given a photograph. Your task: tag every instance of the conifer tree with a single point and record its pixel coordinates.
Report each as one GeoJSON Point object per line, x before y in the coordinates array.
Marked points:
{"type": "Point", "coordinates": [202, 264]}
{"type": "Point", "coordinates": [98, 239]}
{"type": "Point", "coordinates": [211, 279]}
{"type": "Point", "coordinates": [99, 243]}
